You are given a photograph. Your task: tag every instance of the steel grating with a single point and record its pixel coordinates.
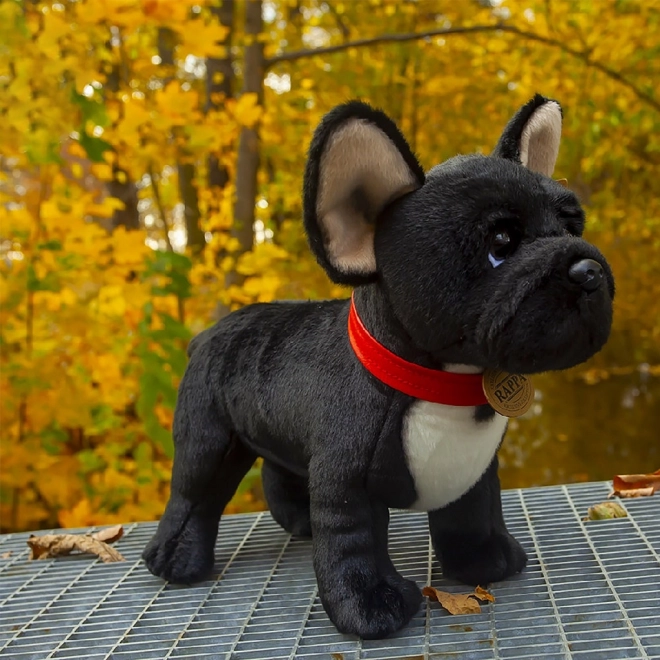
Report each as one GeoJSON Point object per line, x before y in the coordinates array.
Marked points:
{"type": "Point", "coordinates": [590, 592]}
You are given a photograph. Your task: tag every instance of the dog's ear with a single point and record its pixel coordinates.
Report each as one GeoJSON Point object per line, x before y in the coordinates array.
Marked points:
{"type": "Point", "coordinates": [532, 136]}
{"type": "Point", "coordinates": [358, 163]}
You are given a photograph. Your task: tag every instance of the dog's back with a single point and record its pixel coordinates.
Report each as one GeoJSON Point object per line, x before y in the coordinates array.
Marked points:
{"type": "Point", "coordinates": [270, 369]}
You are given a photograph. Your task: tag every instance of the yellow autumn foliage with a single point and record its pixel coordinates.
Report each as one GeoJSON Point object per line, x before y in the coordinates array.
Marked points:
{"type": "Point", "coordinates": [105, 103]}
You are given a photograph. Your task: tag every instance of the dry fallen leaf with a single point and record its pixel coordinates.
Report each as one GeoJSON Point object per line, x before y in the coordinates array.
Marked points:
{"type": "Point", "coordinates": [6, 555]}
{"type": "Point", "coordinates": [459, 603]}
{"type": "Point", "coordinates": [55, 545]}
{"type": "Point", "coordinates": [109, 534]}
{"type": "Point", "coordinates": [635, 485]}
{"type": "Point", "coordinates": [482, 594]}
{"type": "Point", "coordinates": [605, 511]}
{"type": "Point", "coordinates": [633, 492]}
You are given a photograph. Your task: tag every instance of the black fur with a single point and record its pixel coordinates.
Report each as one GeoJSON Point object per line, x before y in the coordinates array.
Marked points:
{"type": "Point", "coordinates": [476, 549]}
{"type": "Point", "coordinates": [508, 315]}
{"type": "Point", "coordinates": [281, 380]}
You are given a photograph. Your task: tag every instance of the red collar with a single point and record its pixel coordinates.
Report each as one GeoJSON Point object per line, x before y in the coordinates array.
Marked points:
{"type": "Point", "coordinates": [410, 378]}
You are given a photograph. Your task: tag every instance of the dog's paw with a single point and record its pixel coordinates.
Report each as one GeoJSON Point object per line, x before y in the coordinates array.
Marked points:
{"type": "Point", "coordinates": [499, 557]}
{"type": "Point", "coordinates": [182, 554]}
{"type": "Point", "coordinates": [378, 611]}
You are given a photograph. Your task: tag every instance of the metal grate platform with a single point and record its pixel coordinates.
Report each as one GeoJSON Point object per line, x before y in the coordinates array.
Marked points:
{"type": "Point", "coordinates": [591, 591]}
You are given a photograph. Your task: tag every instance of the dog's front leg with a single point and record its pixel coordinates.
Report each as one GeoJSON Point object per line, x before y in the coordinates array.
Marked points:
{"type": "Point", "coordinates": [470, 538]}
{"type": "Point", "coordinates": [358, 585]}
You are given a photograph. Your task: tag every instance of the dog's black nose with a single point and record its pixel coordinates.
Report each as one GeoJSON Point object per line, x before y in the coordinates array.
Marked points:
{"type": "Point", "coordinates": [587, 273]}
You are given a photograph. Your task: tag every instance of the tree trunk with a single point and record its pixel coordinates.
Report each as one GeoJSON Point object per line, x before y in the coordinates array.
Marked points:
{"type": "Point", "coordinates": [217, 175]}
{"type": "Point", "coordinates": [190, 199]}
{"type": "Point", "coordinates": [185, 170]}
{"type": "Point", "coordinates": [220, 67]}
{"type": "Point", "coordinates": [121, 185]}
{"type": "Point", "coordinates": [248, 146]}
{"type": "Point", "coordinates": [166, 40]}
{"type": "Point", "coordinates": [126, 191]}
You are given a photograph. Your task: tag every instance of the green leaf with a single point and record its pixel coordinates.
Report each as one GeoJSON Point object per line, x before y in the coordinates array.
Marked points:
{"type": "Point", "coordinates": [89, 461]}
{"type": "Point", "coordinates": [156, 374]}
{"type": "Point", "coordinates": [159, 435]}
{"type": "Point", "coordinates": [174, 328]}
{"type": "Point", "coordinates": [249, 480]}
{"type": "Point", "coordinates": [180, 284]}
{"type": "Point", "coordinates": [169, 397]}
{"type": "Point", "coordinates": [163, 291]}
{"type": "Point", "coordinates": [178, 361]}
{"type": "Point", "coordinates": [179, 261]}
{"type": "Point", "coordinates": [91, 109]}
{"type": "Point", "coordinates": [148, 397]}
{"type": "Point", "coordinates": [48, 154]}
{"type": "Point", "coordinates": [143, 455]}
{"type": "Point", "coordinates": [48, 283]}
{"type": "Point", "coordinates": [94, 147]}
{"type": "Point", "coordinates": [50, 245]}
{"type": "Point", "coordinates": [53, 438]}
{"type": "Point", "coordinates": [103, 419]}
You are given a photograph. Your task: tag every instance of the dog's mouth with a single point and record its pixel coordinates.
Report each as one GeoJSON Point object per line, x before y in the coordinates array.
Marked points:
{"type": "Point", "coordinates": [551, 310]}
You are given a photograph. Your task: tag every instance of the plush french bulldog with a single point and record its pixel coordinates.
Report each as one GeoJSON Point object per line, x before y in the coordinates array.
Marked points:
{"type": "Point", "coordinates": [360, 405]}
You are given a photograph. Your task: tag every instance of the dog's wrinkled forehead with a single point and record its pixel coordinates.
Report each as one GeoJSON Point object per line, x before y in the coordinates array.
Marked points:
{"type": "Point", "coordinates": [479, 170]}
{"type": "Point", "coordinates": [492, 189]}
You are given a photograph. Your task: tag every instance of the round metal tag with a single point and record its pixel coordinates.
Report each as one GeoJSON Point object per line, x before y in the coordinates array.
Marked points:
{"type": "Point", "coordinates": [510, 395]}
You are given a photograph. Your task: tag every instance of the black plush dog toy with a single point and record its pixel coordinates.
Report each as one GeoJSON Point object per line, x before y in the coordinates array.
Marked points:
{"type": "Point", "coordinates": [358, 406]}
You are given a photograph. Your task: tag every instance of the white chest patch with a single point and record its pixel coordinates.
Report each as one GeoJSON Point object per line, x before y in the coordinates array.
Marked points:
{"type": "Point", "coordinates": [447, 450]}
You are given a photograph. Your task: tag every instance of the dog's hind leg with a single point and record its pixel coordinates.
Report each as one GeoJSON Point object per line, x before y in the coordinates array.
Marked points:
{"type": "Point", "coordinates": [209, 463]}
{"type": "Point", "coordinates": [287, 495]}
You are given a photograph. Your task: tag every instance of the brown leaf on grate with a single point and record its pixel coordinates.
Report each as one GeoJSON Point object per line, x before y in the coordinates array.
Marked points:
{"type": "Point", "coordinates": [633, 492]}
{"type": "Point", "coordinates": [605, 511]}
{"type": "Point", "coordinates": [482, 594]}
{"type": "Point", "coordinates": [635, 485]}
{"type": "Point", "coordinates": [109, 534]}
{"type": "Point", "coordinates": [47, 546]}
{"type": "Point", "coordinates": [6, 555]}
{"type": "Point", "coordinates": [459, 603]}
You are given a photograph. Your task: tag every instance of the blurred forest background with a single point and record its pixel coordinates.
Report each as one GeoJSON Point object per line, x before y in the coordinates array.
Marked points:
{"type": "Point", "coordinates": [151, 156]}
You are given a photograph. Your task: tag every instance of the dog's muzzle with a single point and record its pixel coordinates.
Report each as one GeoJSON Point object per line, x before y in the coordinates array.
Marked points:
{"type": "Point", "coordinates": [552, 307]}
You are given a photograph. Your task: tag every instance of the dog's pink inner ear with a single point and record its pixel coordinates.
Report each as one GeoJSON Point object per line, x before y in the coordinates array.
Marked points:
{"type": "Point", "coordinates": [361, 170]}
{"type": "Point", "coordinates": [539, 143]}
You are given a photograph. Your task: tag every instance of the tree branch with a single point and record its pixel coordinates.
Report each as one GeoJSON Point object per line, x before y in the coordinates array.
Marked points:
{"type": "Point", "coordinates": [584, 56]}
{"type": "Point", "coordinates": [345, 32]}
{"type": "Point", "coordinates": [382, 39]}
{"type": "Point", "coordinates": [155, 188]}
{"type": "Point", "coordinates": [217, 174]}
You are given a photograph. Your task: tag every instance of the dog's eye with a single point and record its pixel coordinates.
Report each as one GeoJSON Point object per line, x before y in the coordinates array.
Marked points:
{"type": "Point", "coordinates": [501, 247]}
